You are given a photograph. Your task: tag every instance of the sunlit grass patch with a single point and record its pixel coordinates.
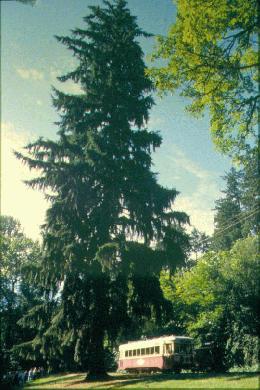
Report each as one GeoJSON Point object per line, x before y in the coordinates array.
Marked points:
{"type": "Point", "coordinates": [75, 381]}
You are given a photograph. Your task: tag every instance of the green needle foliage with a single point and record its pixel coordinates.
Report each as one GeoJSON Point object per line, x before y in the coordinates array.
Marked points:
{"type": "Point", "coordinates": [211, 56]}
{"type": "Point", "coordinates": [237, 211]}
{"type": "Point", "coordinates": [107, 210]}
{"type": "Point", "coordinates": [228, 222]}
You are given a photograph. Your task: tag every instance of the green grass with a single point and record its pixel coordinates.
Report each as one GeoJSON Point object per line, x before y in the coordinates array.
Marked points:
{"type": "Point", "coordinates": [245, 380]}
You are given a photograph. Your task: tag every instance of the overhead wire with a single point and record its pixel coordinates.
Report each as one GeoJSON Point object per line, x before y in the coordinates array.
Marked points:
{"type": "Point", "coordinates": [244, 217]}
{"type": "Point", "coordinates": [235, 220]}
{"type": "Point", "coordinates": [244, 213]}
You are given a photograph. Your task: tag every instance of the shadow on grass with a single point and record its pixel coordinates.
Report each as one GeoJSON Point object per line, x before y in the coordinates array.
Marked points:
{"type": "Point", "coordinates": [241, 375]}
{"type": "Point", "coordinates": [146, 379]}
{"type": "Point", "coordinates": [122, 380]}
{"type": "Point", "coordinates": [112, 381]}
{"type": "Point", "coordinates": [59, 378]}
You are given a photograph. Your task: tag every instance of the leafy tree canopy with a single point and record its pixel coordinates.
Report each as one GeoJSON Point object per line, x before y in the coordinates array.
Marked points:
{"type": "Point", "coordinates": [18, 292]}
{"type": "Point", "coordinates": [211, 56]}
{"type": "Point", "coordinates": [217, 301]}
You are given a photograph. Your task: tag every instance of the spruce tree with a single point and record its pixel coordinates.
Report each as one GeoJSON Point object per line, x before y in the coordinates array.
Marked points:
{"type": "Point", "coordinates": [107, 209]}
{"type": "Point", "coordinates": [250, 188]}
{"type": "Point", "coordinates": [228, 224]}
{"type": "Point", "coordinates": [237, 213]}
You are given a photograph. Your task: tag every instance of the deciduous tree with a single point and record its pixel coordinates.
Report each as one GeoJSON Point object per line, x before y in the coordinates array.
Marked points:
{"type": "Point", "coordinates": [19, 255]}
{"type": "Point", "coordinates": [211, 56]}
{"type": "Point", "coordinates": [217, 302]}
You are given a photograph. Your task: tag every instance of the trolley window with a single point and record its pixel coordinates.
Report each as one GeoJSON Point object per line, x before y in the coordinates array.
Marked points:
{"type": "Point", "coordinates": [142, 351]}
{"type": "Point", "coordinates": [147, 351]}
{"type": "Point", "coordinates": [183, 348]}
{"type": "Point", "coordinates": [168, 348]}
{"type": "Point", "coordinates": [157, 349]}
{"type": "Point", "coordinates": [126, 353]}
{"type": "Point", "coordinates": [134, 352]}
{"type": "Point", "coordinates": [152, 351]}
{"type": "Point", "coordinates": [138, 352]}
{"type": "Point", "coordinates": [130, 353]}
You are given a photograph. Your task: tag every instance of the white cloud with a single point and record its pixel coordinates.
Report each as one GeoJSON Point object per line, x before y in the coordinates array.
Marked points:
{"type": "Point", "coordinates": [199, 203]}
{"type": "Point", "coordinates": [182, 161]}
{"type": "Point", "coordinates": [29, 206]}
{"type": "Point", "coordinates": [201, 217]}
{"type": "Point", "coordinates": [30, 73]}
{"type": "Point", "coordinates": [54, 73]}
{"type": "Point", "coordinates": [70, 87]}
{"type": "Point", "coordinates": [17, 200]}
{"type": "Point", "coordinates": [155, 122]}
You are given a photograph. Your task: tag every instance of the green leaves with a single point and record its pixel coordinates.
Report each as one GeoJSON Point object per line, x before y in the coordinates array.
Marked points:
{"type": "Point", "coordinates": [217, 301]}
{"type": "Point", "coordinates": [19, 289]}
{"type": "Point", "coordinates": [215, 64]}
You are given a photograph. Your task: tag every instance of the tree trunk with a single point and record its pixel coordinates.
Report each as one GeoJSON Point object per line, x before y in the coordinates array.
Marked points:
{"type": "Point", "coordinates": [97, 369]}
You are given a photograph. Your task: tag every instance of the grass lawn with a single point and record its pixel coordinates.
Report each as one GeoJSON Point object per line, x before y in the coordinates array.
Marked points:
{"type": "Point", "coordinates": [145, 381]}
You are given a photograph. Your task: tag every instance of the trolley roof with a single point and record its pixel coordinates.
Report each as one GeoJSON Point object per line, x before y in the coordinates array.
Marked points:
{"type": "Point", "coordinates": [154, 341]}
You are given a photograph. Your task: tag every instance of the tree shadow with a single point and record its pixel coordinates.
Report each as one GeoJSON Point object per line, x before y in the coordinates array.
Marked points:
{"type": "Point", "coordinates": [122, 380]}
{"type": "Point", "coordinates": [241, 375]}
{"type": "Point", "coordinates": [62, 379]}
{"type": "Point", "coordinates": [112, 381]}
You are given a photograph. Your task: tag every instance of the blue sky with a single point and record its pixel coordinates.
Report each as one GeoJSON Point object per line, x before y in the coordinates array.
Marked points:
{"type": "Point", "coordinates": [31, 60]}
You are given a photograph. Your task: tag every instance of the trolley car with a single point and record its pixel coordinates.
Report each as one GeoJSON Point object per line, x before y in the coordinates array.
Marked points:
{"type": "Point", "coordinates": [167, 353]}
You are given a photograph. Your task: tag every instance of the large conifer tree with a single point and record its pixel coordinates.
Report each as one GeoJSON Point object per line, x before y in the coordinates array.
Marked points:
{"type": "Point", "coordinates": [237, 213]}
{"type": "Point", "coordinates": [107, 209]}
{"type": "Point", "coordinates": [228, 227]}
